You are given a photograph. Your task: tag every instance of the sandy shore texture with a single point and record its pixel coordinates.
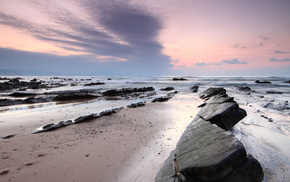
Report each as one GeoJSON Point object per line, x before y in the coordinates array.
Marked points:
{"type": "Point", "coordinates": [130, 145]}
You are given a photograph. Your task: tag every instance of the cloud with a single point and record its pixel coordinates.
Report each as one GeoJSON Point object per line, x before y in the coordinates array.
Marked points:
{"type": "Point", "coordinates": [264, 38]}
{"type": "Point", "coordinates": [281, 52]}
{"type": "Point", "coordinates": [206, 64]}
{"type": "Point", "coordinates": [281, 60]}
{"type": "Point", "coordinates": [114, 30]}
{"type": "Point", "coordinates": [233, 61]}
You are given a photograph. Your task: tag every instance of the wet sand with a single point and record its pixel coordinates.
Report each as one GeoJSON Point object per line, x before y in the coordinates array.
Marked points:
{"type": "Point", "coordinates": [130, 145]}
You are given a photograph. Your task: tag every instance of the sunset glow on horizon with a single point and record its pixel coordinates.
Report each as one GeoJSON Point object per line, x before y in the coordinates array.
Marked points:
{"type": "Point", "coordinates": [171, 37]}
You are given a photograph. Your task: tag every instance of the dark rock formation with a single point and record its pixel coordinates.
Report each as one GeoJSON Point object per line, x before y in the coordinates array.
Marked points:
{"type": "Point", "coordinates": [125, 91]}
{"type": "Point", "coordinates": [30, 100]}
{"type": "Point", "coordinates": [22, 94]}
{"type": "Point", "coordinates": [164, 98]}
{"type": "Point", "coordinates": [167, 89]}
{"type": "Point", "coordinates": [287, 81]}
{"type": "Point", "coordinates": [274, 92]}
{"type": "Point", "coordinates": [9, 136]}
{"type": "Point", "coordinates": [76, 95]}
{"type": "Point", "coordinates": [194, 88]}
{"type": "Point", "coordinates": [221, 109]}
{"type": "Point", "coordinates": [244, 89]}
{"type": "Point", "coordinates": [15, 83]}
{"type": "Point", "coordinates": [138, 104]}
{"type": "Point", "coordinates": [258, 81]}
{"type": "Point", "coordinates": [179, 79]}
{"type": "Point", "coordinates": [206, 152]}
{"type": "Point", "coordinates": [97, 83]}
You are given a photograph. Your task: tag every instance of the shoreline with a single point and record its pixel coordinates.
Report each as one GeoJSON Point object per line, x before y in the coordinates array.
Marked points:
{"type": "Point", "coordinates": [143, 136]}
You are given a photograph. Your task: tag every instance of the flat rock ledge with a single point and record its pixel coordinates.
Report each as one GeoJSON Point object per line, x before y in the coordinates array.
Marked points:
{"type": "Point", "coordinates": [206, 151]}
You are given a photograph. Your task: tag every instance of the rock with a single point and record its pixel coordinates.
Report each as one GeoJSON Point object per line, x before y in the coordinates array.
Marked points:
{"type": "Point", "coordinates": [51, 127]}
{"type": "Point", "coordinates": [22, 94]}
{"type": "Point", "coordinates": [243, 89]}
{"type": "Point", "coordinates": [206, 152]}
{"type": "Point", "coordinates": [9, 102]}
{"type": "Point", "coordinates": [179, 79]}
{"type": "Point", "coordinates": [97, 83]}
{"type": "Point", "coordinates": [250, 171]}
{"type": "Point", "coordinates": [138, 104]}
{"type": "Point", "coordinates": [86, 118]}
{"type": "Point", "coordinates": [125, 91]}
{"type": "Point", "coordinates": [167, 89]}
{"type": "Point", "coordinates": [274, 92]}
{"type": "Point", "coordinates": [161, 99]}
{"type": "Point", "coordinates": [266, 82]}
{"type": "Point", "coordinates": [194, 88]}
{"type": "Point", "coordinates": [9, 136]}
{"type": "Point", "coordinates": [287, 81]}
{"type": "Point", "coordinates": [75, 95]}
{"type": "Point", "coordinates": [211, 92]}
{"type": "Point", "coordinates": [222, 111]}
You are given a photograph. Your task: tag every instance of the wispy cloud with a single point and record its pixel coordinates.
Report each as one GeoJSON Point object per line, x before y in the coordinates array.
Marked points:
{"type": "Point", "coordinates": [206, 64]}
{"type": "Point", "coordinates": [264, 38]}
{"type": "Point", "coordinates": [280, 60]}
{"type": "Point", "coordinates": [234, 61]}
{"type": "Point", "coordinates": [281, 52]}
{"type": "Point", "coordinates": [111, 30]}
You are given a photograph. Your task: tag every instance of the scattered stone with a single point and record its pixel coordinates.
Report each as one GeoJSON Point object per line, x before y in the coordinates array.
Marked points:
{"type": "Point", "coordinates": [167, 89]}
{"type": "Point", "coordinates": [243, 89]}
{"type": "Point", "coordinates": [4, 172]}
{"type": "Point", "coordinates": [179, 79]}
{"type": "Point", "coordinates": [9, 136]}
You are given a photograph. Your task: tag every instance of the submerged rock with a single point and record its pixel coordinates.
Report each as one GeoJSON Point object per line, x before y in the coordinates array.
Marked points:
{"type": "Point", "coordinates": [97, 83]}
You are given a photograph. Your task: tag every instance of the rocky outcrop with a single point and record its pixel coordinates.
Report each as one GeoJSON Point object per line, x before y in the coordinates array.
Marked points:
{"type": "Point", "coordinates": [76, 95]}
{"type": "Point", "coordinates": [194, 88]}
{"type": "Point", "coordinates": [96, 83]}
{"type": "Point", "coordinates": [179, 79]}
{"type": "Point", "coordinates": [167, 89]}
{"type": "Point", "coordinates": [266, 82]}
{"type": "Point", "coordinates": [126, 91]}
{"type": "Point", "coordinates": [135, 105]}
{"type": "Point", "coordinates": [207, 152]}
{"type": "Point", "coordinates": [81, 119]}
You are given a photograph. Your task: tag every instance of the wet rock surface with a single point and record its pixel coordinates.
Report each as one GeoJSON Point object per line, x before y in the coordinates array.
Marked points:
{"type": "Point", "coordinates": [207, 152]}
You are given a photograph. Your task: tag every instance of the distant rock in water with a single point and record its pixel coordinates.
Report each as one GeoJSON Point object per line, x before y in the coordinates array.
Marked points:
{"type": "Point", "coordinates": [96, 83]}
{"type": "Point", "coordinates": [243, 89]}
{"type": "Point", "coordinates": [287, 81]}
{"type": "Point", "coordinates": [274, 92]}
{"type": "Point", "coordinates": [167, 89]}
{"type": "Point", "coordinates": [125, 91]}
{"type": "Point", "coordinates": [194, 88]}
{"type": "Point", "coordinates": [266, 82]}
{"type": "Point", "coordinates": [206, 152]}
{"type": "Point", "coordinates": [179, 79]}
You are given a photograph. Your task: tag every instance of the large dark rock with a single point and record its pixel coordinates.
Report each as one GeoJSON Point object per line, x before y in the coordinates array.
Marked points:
{"type": "Point", "coordinates": [265, 82]}
{"type": "Point", "coordinates": [167, 89]}
{"type": "Point", "coordinates": [206, 152]}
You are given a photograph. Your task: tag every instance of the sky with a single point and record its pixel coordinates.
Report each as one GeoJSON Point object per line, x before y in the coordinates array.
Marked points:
{"type": "Point", "coordinates": [145, 38]}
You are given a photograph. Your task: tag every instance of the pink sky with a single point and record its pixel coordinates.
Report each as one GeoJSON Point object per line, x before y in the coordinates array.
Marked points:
{"type": "Point", "coordinates": [188, 36]}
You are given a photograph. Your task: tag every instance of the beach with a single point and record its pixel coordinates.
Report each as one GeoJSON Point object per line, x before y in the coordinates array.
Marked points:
{"type": "Point", "coordinates": [132, 144]}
